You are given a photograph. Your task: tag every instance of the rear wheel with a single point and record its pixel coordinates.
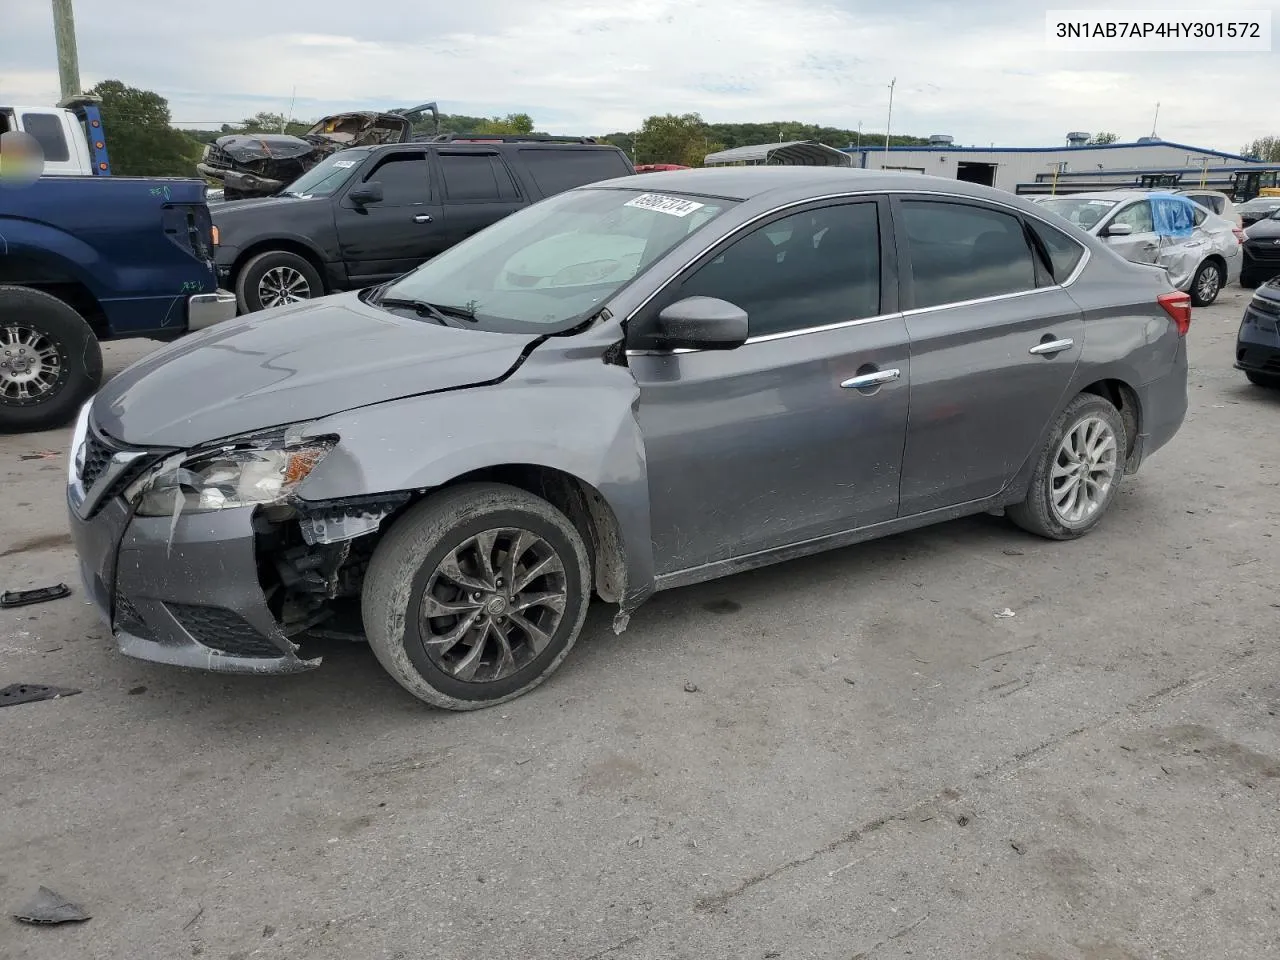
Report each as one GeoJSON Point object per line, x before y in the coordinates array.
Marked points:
{"type": "Point", "coordinates": [50, 361]}
{"type": "Point", "coordinates": [1269, 380]}
{"type": "Point", "coordinates": [476, 595]}
{"type": "Point", "coordinates": [1207, 284]}
{"type": "Point", "coordinates": [1078, 473]}
{"type": "Point", "coordinates": [276, 278]}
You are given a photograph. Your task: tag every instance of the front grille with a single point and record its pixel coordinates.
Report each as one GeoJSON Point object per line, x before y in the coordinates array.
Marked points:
{"type": "Point", "coordinates": [224, 631]}
{"type": "Point", "coordinates": [217, 157]}
{"type": "Point", "coordinates": [1267, 250]}
{"type": "Point", "coordinates": [99, 450]}
{"type": "Point", "coordinates": [97, 455]}
{"type": "Point", "coordinates": [1269, 307]}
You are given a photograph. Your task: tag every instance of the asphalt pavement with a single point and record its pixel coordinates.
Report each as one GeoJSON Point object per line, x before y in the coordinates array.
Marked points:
{"type": "Point", "coordinates": [872, 765]}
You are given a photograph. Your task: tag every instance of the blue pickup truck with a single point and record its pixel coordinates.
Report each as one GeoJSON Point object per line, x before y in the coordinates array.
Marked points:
{"type": "Point", "coordinates": [90, 258]}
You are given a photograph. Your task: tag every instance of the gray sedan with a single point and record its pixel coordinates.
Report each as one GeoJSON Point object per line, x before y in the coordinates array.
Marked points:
{"type": "Point", "coordinates": [626, 388]}
{"type": "Point", "coordinates": [1202, 263]}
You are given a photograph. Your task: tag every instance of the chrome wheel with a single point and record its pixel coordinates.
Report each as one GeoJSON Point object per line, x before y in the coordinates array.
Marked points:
{"type": "Point", "coordinates": [1208, 284]}
{"type": "Point", "coordinates": [30, 365]}
{"type": "Point", "coordinates": [1084, 470]}
{"type": "Point", "coordinates": [282, 285]}
{"type": "Point", "coordinates": [493, 604]}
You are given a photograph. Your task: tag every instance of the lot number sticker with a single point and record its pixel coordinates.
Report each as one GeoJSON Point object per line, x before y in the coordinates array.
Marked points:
{"type": "Point", "coordinates": [344, 164]}
{"type": "Point", "coordinates": [660, 204]}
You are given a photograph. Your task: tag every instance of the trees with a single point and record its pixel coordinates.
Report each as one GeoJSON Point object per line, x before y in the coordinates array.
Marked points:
{"type": "Point", "coordinates": [685, 139]}
{"type": "Point", "coordinates": [265, 122]}
{"type": "Point", "coordinates": [1101, 138]}
{"type": "Point", "coordinates": [1266, 149]}
{"type": "Point", "coordinates": [140, 141]}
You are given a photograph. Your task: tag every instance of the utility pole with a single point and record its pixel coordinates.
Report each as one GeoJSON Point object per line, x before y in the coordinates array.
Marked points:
{"type": "Point", "coordinates": [889, 122]}
{"type": "Point", "coordinates": [859, 134]}
{"type": "Point", "coordinates": [1155, 120]}
{"type": "Point", "coordinates": [64, 36]}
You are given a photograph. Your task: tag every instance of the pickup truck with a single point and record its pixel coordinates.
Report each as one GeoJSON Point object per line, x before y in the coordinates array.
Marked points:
{"type": "Point", "coordinates": [365, 215]}
{"type": "Point", "coordinates": [70, 135]}
{"type": "Point", "coordinates": [85, 259]}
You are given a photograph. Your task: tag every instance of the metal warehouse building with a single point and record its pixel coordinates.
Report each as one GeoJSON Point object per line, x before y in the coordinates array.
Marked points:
{"type": "Point", "coordinates": [1006, 167]}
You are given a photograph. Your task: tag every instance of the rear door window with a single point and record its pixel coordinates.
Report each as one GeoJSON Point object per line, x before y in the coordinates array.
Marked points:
{"type": "Point", "coordinates": [476, 178]}
{"type": "Point", "coordinates": [556, 170]}
{"type": "Point", "coordinates": [964, 252]}
{"type": "Point", "coordinates": [47, 129]}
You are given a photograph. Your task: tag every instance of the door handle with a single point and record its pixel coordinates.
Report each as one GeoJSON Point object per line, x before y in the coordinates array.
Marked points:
{"type": "Point", "coordinates": [422, 218]}
{"type": "Point", "coordinates": [871, 379]}
{"type": "Point", "coordinates": [1051, 347]}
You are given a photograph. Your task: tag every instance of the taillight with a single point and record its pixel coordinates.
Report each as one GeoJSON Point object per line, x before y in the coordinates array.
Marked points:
{"type": "Point", "coordinates": [1178, 306]}
{"type": "Point", "coordinates": [1239, 234]}
{"type": "Point", "coordinates": [217, 237]}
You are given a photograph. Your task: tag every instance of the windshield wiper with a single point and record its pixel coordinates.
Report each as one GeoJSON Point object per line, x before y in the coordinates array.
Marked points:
{"type": "Point", "coordinates": [420, 307]}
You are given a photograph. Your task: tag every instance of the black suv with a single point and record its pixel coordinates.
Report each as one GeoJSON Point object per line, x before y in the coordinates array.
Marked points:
{"type": "Point", "coordinates": [369, 214]}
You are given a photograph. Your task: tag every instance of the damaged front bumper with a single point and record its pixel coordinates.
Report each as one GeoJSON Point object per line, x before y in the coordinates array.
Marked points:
{"type": "Point", "coordinates": [186, 592]}
{"type": "Point", "coordinates": [240, 181]}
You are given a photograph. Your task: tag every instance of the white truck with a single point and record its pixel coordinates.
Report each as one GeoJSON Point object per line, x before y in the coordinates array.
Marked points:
{"type": "Point", "coordinates": [70, 135]}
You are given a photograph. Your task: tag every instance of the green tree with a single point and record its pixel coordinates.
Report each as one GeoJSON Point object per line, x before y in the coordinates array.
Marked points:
{"type": "Point", "coordinates": [1101, 138]}
{"type": "Point", "coordinates": [1266, 149]}
{"type": "Point", "coordinates": [511, 124]}
{"type": "Point", "coordinates": [669, 138]}
{"type": "Point", "coordinates": [265, 122]}
{"type": "Point", "coordinates": [140, 140]}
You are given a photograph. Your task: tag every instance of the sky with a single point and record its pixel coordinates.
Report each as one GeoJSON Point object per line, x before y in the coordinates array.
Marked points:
{"type": "Point", "coordinates": [978, 71]}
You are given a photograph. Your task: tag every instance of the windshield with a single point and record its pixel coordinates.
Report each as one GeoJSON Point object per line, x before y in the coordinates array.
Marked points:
{"type": "Point", "coordinates": [1083, 213]}
{"type": "Point", "coordinates": [328, 175]}
{"type": "Point", "coordinates": [551, 265]}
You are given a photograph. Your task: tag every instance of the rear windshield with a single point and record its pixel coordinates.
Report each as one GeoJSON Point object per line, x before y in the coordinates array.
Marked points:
{"type": "Point", "coordinates": [555, 170]}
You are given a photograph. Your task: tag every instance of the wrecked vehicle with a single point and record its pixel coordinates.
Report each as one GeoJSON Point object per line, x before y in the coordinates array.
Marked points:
{"type": "Point", "coordinates": [1200, 249]}
{"type": "Point", "coordinates": [262, 164]}
{"type": "Point", "coordinates": [630, 386]}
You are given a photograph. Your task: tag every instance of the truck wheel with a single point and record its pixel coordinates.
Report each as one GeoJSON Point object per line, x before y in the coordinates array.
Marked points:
{"type": "Point", "coordinates": [274, 279]}
{"type": "Point", "coordinates": [50, 361]}
{"type": "Point", "coordinates": [476, 595]}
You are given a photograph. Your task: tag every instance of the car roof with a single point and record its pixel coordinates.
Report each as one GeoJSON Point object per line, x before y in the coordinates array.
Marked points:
{"type": "Point", "coordinates": [1116, 195]}
{"type": "Point", "coordinates": [797, 182]}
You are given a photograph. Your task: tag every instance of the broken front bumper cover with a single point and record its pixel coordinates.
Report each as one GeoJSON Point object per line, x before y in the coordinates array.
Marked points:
{"type": "Point", "coordinates": [184, 592]}
{"type": "Point", "coordinates": [239, 180]}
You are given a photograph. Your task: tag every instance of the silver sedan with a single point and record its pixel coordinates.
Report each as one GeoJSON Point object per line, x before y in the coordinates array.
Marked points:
{"type": "Point", "coordinates": [1200, 264]}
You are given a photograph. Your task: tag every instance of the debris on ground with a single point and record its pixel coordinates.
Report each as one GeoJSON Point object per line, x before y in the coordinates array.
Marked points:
{"type": "Point", "coordinates": [22, 598]}
{"type": "Point", "coordinates": [17, 693]}
{"type": "Point", "coordinates": [690, 687]}
{"type": "Point", "coordinates": [1005, 614]}
{"type": "Point", "coordinates": [48, 907]}
{"type": "Point", "coordinates": [1017, 847]}
{"type": "Point", "coordinates": [42, 455]}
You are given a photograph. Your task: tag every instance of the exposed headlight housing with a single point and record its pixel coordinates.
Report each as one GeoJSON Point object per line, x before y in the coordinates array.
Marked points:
{"type": "Point", "coordinates": [262, 471]}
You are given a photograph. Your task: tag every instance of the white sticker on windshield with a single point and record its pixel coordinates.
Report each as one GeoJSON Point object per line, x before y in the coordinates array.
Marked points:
{"type": "Point", "coordinates": [344, 164]}
{"type": "Point", "coordinates": [660, 204]}
{"type": "Point", "coordinates": [1101, 203]}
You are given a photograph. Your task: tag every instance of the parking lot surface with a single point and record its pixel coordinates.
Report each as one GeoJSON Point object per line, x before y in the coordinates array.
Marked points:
{"type": "Point", "coordinates": [848, 756]}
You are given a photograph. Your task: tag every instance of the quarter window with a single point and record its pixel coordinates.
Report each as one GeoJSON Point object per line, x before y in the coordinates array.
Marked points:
{"type": "Point", "coordinates": [1064, 253]}
{"type": "Point", "coordinates": [962, 252]}
{"type": "Point", "coordinates": [809, 269]}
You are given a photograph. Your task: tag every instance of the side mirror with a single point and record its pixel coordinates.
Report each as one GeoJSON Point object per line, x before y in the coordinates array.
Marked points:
{"type": "Point", "coordinates": [1118, 230]}
{"type": "Point", "coordinates": [366, 193]}
{"type": "Point", "coordinates": [699, 323]}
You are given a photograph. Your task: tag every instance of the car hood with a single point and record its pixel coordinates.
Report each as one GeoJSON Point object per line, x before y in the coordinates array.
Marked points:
{"type": "Point", "coordinates": [234, 208]}
{"type": "Point", "coordinates": [293, 364]}
{"type": "Point", "coordinates": [244, 147]}
{"type": "Point", "coordinates": [1263, 230]}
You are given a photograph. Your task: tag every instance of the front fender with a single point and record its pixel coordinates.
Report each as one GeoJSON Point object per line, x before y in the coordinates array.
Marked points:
{"type": "Point", "coordinates": [558, 411]}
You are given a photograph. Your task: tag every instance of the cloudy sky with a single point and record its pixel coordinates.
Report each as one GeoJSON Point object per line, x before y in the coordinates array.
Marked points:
{"type": "Point", "coordinates": [978, 71]}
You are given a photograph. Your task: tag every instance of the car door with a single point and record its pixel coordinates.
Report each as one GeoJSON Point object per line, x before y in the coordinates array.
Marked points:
{"type": "Point", "coordinates": [1141, 244]}
{"type": "Point", "coordinates": [995, 341]}
{"type": "Point", "coordinates": [798, 433]}
{"type": "Point", "coordinates": [478, 191]}
{"type": "Point", "coordinates": [386, 238]}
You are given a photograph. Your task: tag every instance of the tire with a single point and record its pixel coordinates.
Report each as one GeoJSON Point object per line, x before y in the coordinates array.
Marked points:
{"type": "Point", "coordinates": [1038, 513]}
{"type": "Point", "coordinates": [405, 565]}
{"type": "Point", "coordinates": [47, 391]}
{"type": "Point", "coordinates": [265, 269]}
{"type": "Point", "coordinates": [1268, 380]}
{"type": "Point", "coordinates": [1249, 281]}
{"type": "Point", "coordinates": [1207, 284]}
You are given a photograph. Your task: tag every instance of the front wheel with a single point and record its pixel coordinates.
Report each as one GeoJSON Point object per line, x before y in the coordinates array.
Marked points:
{"type": "Point", "coordinates": [1078, 472]}
{"type": "Point", "coordinates": [476, 595]}
{"type": "Point", "coordinates": [276, 278]}
{"type": "Point", "coordinates": [50, 361]}
{"type": "Point", "coordinates": [1207, 284]}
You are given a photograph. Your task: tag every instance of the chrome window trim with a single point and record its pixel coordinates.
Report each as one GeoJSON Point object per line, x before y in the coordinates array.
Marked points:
{"type": "Point", "coordinates": [822, 328]}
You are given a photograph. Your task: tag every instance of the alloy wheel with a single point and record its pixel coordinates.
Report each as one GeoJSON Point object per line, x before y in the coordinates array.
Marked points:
{"type": "Point", "coordinates": [493, 604]}
{"type": "Point", "coordinates": [30, 365]}
{"type": "Point", "coordinates": [283, 285]}
{"type": "Point", "coordinates": [1084, 470]}
{"type": "Point", "coordinates": [1209, 282]}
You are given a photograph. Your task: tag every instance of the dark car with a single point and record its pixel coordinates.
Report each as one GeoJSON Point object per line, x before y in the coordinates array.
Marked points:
{"type": "Point", "coordinates": [629, 387]}
{"type": "Point", "coordinates": [1257, 209]}
{"type": "Point", "coordinates": [1261, 251]}
{"type": "Point", "coordinates": [1258, 342]}
{"type": "Point", "coordinates": [369, 214]}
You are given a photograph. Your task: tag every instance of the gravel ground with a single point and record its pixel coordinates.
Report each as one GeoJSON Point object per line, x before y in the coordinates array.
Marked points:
{"type": "Point", "coordinates": [872, 766]}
